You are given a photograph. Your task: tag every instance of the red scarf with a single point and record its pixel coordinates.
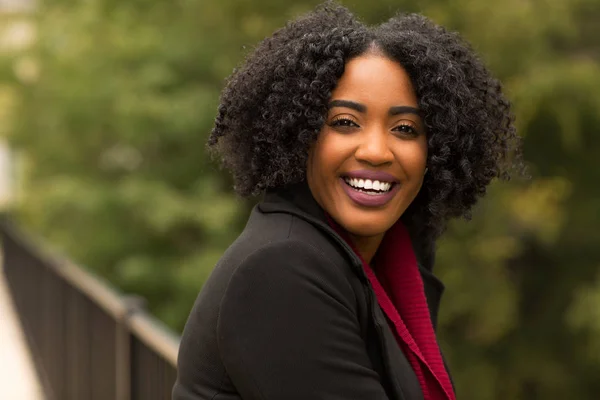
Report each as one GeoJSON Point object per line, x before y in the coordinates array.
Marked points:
{"type": "Point", "coordinates": [399, 289]}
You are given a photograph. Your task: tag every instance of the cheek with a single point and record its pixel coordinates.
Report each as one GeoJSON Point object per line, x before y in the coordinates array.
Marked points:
{"type": "Point", "coordinates": [316, 163]}
{"type": "Point", "coordinates": [413, 157]}
{"type": "Point", "coordinates": [322, 155]}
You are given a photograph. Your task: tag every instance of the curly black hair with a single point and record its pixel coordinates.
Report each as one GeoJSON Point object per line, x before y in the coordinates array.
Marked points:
{"type": "Point", "coordinates": [274, 106]}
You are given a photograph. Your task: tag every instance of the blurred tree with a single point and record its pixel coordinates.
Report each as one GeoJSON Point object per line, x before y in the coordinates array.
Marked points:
{"type": "Point", "coordinates": [111, 108]}
{"type": "Point", "coordinates": [527, 327]}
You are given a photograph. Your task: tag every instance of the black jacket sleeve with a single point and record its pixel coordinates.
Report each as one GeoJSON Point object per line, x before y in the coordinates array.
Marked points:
{"type": "Point", "coordinates": [288, 329]}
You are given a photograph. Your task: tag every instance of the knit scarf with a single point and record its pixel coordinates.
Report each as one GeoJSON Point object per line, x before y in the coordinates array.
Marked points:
{"type": "Point", "coordinates": [399, 290]}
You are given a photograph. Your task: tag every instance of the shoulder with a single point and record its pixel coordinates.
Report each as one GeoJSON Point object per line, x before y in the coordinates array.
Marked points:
{"type": "Point", "coordinates": [279, 236]}
{"type": "Point", "coordinates": [281, 279]}
{"type": "Point", "coordinates": [282, 243]}
{"type": "Point", "coordinates": [279, 254]}
{"type": "Point", "coordinates": [299, 264]}
{"type": "Point", "coordinates": [286, 258]}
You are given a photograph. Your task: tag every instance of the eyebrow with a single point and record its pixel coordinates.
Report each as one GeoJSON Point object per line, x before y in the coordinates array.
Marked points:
{"type": "Point", "coordinates": [396, 110]}
{"type": "Point", "coordinates": [348, 104]}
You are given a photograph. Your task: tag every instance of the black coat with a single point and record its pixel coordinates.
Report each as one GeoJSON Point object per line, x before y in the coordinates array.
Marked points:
{"type": "Point", "coordinates": [288, 313]}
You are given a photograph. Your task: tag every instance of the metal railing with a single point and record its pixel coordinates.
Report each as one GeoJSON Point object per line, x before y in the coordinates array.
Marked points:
{"type": "Point", "coordinates": [87, 340]}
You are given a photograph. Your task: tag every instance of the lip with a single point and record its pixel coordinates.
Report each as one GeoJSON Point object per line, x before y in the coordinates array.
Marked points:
{"type": "Point", "coordinates": [372, 175]}
{"type": "Point", "coordinates": [369, 200]}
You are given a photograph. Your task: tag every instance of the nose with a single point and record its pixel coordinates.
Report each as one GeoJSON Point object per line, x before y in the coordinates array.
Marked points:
{"type": "Point", "coordinates": [374, 148]}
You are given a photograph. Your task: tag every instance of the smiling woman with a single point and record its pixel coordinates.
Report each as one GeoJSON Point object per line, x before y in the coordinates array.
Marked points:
{"type": "Point", "coordinates": [365, 141]}
{"type": "Point", "coordinates": [373, 136]}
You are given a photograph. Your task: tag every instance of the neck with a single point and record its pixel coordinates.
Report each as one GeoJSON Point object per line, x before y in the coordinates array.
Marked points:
{"type": "Point", "coordinates": [366, 245]}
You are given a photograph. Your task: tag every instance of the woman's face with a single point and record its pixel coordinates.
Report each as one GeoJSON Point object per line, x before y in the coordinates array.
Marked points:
{"type": "Point", "coordinates": [369, 159]}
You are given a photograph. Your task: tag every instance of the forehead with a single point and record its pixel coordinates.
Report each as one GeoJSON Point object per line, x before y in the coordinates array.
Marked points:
{"type": "Point", "coordinates": [376, 80]}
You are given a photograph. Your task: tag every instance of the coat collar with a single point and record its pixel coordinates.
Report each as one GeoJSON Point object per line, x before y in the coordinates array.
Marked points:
{"type": "Point", "coordinates": [297, 200]}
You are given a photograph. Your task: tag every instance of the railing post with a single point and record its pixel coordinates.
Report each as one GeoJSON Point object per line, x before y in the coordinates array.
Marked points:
{"type": "Point", "coordinates": [123, 347]}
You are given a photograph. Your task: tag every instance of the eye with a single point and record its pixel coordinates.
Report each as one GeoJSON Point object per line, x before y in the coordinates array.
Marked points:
{"type": "Point", "coordinates": [406, 130]}
{"type": "Point", "coordinates": [343, 122]}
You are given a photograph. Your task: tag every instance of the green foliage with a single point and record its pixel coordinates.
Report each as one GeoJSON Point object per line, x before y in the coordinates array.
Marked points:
{"type": "Point", "coordinates": [111, 105]}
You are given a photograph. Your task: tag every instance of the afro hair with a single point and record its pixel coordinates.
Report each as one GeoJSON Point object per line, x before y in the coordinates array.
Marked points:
{"type": "Point", "coordinates": [274, 106]}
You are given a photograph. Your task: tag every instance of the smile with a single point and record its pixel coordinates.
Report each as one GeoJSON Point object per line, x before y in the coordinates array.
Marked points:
{"type": "Point", "coordinates": [369, 193]}
{"type": "Point", "coordinates": [368, 186]}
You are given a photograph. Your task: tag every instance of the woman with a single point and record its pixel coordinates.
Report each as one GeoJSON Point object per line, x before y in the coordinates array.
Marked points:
{"type": "Point", "coordinates": [365, 141]}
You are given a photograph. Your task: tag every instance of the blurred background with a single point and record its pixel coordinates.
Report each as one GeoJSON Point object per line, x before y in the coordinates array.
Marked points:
{"type": "Point", "coordinates": [106, 105]}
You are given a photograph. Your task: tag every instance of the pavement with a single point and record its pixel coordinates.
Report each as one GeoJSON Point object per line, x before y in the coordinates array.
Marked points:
{"type": "Point", "coordinates": [18, 379]}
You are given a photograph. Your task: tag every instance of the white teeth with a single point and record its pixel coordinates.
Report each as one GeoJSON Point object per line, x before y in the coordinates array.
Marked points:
{"type": "Point", "coordinates": [368, 184]}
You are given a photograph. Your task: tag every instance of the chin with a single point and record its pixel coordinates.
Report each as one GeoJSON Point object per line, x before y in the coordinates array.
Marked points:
{"type": "Point", "coordinates": [366, 227]}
